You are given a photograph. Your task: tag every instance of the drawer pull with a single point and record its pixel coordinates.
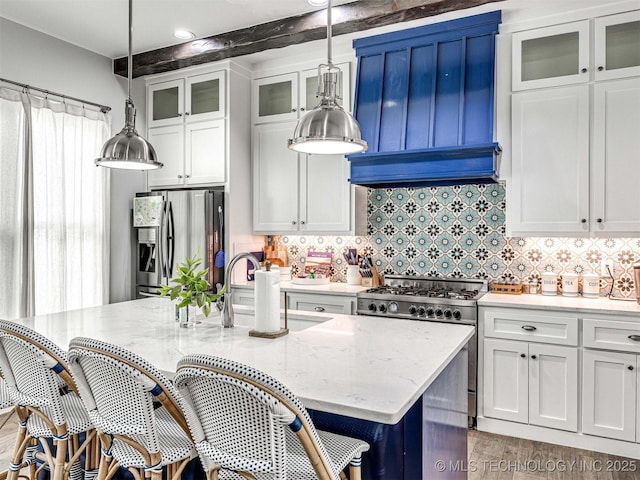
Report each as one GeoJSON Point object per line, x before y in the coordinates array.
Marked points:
{"type": "Point", "coordinates": [635, 338]}
{"type": "Point", "coordinates": [522, 355]}
{"type": "Point", "coordinates": [630, 367]}
{"type": "Point", "coordinates": [534, 357]}
{"type": "Point", "coordinates": [319, 309]}
{"type": "Point", "coordinates": [529, 328]}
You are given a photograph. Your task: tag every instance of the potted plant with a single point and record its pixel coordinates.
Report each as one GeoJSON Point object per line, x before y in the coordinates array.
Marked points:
{"type": "Point", "coordinates": [191, 288]}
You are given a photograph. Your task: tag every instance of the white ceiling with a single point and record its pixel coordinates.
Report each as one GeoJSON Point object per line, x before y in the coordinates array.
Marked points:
{"type": "Point", "coordinates": [102, 25]}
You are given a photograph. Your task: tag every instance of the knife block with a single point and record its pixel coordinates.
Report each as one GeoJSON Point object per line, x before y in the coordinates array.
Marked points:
{"type": "Point", "coordinates": [373, 280]}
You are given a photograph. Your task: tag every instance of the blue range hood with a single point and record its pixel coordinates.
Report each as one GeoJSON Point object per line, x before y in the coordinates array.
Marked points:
{"type": "Point", "coordinates": [425, 103]}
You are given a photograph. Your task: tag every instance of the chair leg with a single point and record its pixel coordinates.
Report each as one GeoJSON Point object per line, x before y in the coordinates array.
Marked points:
{"type": "Point", "coordinates": [105, 456]}
{"type": "Point", "coordinates": [61, 456]}
{"type": "Point", "coordinates": [20, 445]}
{"type": "Point", "coordinates": [355, 472]}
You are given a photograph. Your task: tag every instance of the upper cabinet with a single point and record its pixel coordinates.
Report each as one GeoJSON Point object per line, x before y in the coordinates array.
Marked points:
{"type": "Point", "coordinates": [288, 96]}
{"type": "Point", "coordinates": [575, 135]}
{"type": "Point", "coordinates": [191, 99]}
{"type": "Point", "coordinates": [561, 54]}
{"type": "Point", "coordinates": [187, 127]}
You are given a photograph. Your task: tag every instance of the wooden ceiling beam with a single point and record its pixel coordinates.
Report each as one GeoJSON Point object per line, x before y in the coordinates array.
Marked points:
{"type": "Point", "coordinates": [352, 17]}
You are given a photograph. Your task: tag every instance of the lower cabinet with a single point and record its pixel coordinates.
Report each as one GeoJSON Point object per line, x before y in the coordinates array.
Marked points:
{"type": "Point", "coordinates": [314, 302]}
{"type": "Point", "coordinates": [611, 395]}
{"type": "Point", "coordinates": [531, 383]}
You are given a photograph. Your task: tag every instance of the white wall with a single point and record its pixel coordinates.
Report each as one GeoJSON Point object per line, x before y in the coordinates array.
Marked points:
{"type": "Point", "coordinates": [31, 57]}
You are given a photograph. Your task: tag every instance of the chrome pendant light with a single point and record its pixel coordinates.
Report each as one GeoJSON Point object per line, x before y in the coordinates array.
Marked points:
{"type": "Point", "coordinates": [328, 129]}
{"type": "Point", "coordinates": [127, 149]}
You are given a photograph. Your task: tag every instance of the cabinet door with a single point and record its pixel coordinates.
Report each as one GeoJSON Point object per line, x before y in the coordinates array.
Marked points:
{"type": "Point", "coordinates": [616, 170]}
{"type": "Point", "coordinates": [549, 192]}
{"type": "Point", "coordinates": [321, 303]}
{"type": "Point", "coordinates": [275, 179]}
{"type": "Point", "coordinates": [638, 399]}
{"type": "Point", "coordinates": [165, 103]}
{"type": "Point", "coordinates": [505, 380]}
{"type": "Point", "coordinates": [168, 143]}
{"type": "Point", "coordinates": [553, 386]}
{"type": "Point", "coordinates": [617, 46]}
{"type": "Point", "coordinates": [309, 88]}
{"type": "Point", "coordinates": [550, 56]}
{"type": "Point", "coordinates": [325, 194]}
{"type": "Point", "coordinates": [205, 152]}
{"type": "Point", "coordinates": [205, 97]}
{"type": "Point", "coordinates": [275, 99]}
{"type": "Point", "coordinates": [609, 394]}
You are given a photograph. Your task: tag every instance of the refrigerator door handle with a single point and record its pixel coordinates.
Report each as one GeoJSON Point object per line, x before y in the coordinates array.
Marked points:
{"type": "Point", "coordinates": [171, 246]}
{"type": "Point", "coordinates": [162, 254]}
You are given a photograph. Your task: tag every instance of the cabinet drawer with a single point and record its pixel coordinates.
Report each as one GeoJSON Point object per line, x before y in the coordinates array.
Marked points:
{"type": "Point", "coordinates": [531, 326]}
{"type": "Point", "coordinates": [321, 303]}
{"type": "Point", "coordinates": [242, 296]}
{"type": "Point", "coordinates": [611, 335]}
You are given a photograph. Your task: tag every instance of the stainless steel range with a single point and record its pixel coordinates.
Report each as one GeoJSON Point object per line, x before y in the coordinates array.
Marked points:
{"type": "Point", "coordinates": [430, 299]}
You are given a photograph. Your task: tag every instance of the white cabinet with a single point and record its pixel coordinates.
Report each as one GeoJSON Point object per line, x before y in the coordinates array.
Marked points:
{"type": "Point", "coordinates": [560, 54]}
{"type": "Point", "coordinates": [322, 303]}
{"type": "Point", "coordinates": [609, 406]}
{"type": "Point", "coordinates": [531, 383]}
{"type": "Point", "coordinates": [297, 193]}
{"type": "Point", "coordinates": [616, 143]}
{"type": "Point", "coordinates": [551, 56]}
{"type": "Point", "coordinates": [549, 191]}
{"type": "Point", "coordinates": [617, 46]}
{"type": "Point", "coordinates": [193, 98]}
{"type": "Point", "coordinates": [186, 126]}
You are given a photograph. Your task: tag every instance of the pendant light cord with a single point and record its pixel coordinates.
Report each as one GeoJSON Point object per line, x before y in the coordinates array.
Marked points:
{"type": "Point", "coordinates": [329, 32]}
{"type": "Point", "coordinates": [130, 59]}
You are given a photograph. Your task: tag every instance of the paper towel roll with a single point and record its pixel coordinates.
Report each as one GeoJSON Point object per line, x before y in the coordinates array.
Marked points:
{"type": "Point", "coordinates": [267, 301]}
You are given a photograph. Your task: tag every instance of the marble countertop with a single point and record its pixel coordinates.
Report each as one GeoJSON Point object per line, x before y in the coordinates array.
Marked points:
{"type": "Point", "coordinates": [600, 305]}
{"type": "Point", "coordinates": [360, 366]}
{"type": "Point", "coordinates": [332, 288]}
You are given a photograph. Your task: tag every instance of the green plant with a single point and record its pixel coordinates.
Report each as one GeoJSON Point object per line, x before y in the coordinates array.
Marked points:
{"type": "Point", "coordinates": [191, 286]}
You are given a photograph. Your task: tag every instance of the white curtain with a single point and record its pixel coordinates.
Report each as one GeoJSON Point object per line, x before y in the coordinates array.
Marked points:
{"type": "Point", "coordinates": [64, 215]}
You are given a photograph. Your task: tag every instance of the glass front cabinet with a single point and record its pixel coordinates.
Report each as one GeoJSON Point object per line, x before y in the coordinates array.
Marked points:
{"type": "Point", "coordinates": [561, 54]}
{"type": "Point", "coordinates": [192, 99]}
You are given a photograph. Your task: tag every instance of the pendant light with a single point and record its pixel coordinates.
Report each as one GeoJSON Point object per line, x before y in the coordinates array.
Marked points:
{"type": "Point", "coordinates": [328, 129]}
{"type": "Point", "coordinates": [127, 149]}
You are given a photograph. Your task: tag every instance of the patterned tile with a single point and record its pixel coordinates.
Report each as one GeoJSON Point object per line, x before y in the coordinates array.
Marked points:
{"type": "Point", "coordinates": [460, 231]}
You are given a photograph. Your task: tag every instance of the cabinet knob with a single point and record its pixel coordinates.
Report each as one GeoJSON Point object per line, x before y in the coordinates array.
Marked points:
{"type": "Point", "coordinates": [179, 176]}
{"type": "Point", "coordinates": [302, 109]}
{"type": "Point", "coordinates": [319, 309]}
{"type": "Point", "coordinates": [635, 338]}
{"type": "Point", "coordinates": [187, 113]}
{"type": "Point", "coordinates": [529, 328]}
{"type": "Point", "coordinates": [599, 220]}
{"type": "Point", "coordinates": [293, 110]}
{"type": "Point", "coordinates": [584, 220]}
{"type": "Point", "coordinates": [522, 355]}
{"type": "Point", "coordinates": [534, 357]}
{"type": "Point", "coordinates": [293, 222]}
{"type": "Point", "coordinates": [179, 114]}
{"type": "Point", "coordinates": [187, 176]}
{"type": "Point", "coordinates": [302, 222]}
{"type": "Point", "coordinates": [630, 367]}
{"type": "Point", "coordinates": [600, 68]}
{"type": "Point", "coordinates": [584, 70]}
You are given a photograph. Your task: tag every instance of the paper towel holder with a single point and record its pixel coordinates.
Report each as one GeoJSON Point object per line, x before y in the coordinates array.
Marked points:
{"type": "Point", "coordinates": [282, 331]}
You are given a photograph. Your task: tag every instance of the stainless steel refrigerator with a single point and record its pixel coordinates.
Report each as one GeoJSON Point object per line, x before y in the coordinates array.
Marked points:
{"type": "Point", "coordinates": [171, 225]}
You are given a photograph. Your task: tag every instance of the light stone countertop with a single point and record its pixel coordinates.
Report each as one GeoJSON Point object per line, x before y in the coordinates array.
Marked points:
{"type": "Point", "coordinates": [364, 367]}
{"type": "Point", "coordinates": [332, 288]}
{"type": "Point", "coordinates": [601, 305]}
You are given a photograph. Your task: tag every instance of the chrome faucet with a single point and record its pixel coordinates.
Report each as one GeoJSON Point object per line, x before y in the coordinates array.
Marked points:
{"type": "Point", "coordinates": [227, 311]}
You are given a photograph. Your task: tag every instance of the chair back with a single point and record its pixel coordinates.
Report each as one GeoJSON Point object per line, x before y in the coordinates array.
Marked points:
{"type": "Point", "coordinates": [34, 369]}
{"type": "Point", "coordinates": [245, 416]}
{"type": "Point", "coordinates": [119, 389]}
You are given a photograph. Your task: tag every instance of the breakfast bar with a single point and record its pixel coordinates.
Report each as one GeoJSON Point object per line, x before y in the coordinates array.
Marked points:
{"type": "Point", "coordinates": [392, 374]}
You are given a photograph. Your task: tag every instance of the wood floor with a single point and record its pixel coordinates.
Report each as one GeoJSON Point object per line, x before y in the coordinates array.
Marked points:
{"type": "Point", "coordinates": [490, 457]}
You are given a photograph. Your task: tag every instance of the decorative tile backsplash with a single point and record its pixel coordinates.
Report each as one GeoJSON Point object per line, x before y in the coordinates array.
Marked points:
{"type": "Point", "coordinates": [460, 232]}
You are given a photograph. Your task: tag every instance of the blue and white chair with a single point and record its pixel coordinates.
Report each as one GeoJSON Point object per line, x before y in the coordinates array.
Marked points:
{"type": "Point", "coordinates": [252, 424]}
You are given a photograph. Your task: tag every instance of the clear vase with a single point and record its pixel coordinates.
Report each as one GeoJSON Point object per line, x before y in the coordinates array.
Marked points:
{"type": "Point", "coordinates": [186, 316]}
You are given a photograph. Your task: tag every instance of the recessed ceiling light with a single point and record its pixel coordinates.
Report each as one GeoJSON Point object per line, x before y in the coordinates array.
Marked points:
{"type": "Point", "coordinates": [317, 3]}
{"type": "Point", "coordinates": [184, 34]}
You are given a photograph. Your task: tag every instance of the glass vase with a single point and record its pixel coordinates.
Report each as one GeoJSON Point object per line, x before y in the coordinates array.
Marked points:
{"type": "Point", "coordinates": [186, 316]}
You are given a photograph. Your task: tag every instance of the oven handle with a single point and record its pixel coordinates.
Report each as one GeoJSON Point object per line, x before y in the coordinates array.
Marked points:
{"type": "Point", "coordinates": [146, 294]}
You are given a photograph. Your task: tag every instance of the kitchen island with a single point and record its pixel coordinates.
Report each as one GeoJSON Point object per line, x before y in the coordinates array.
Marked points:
{"type": "Point", "coordinates": [369, 369]}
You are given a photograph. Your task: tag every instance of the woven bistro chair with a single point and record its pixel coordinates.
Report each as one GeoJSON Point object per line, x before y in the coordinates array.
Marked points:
{"type": "Point", "coordinates": [48, 407]}
{"type": "Point", "coordinates": [140, 417]}
{"type": "Point", "coordinates": [252, 424]}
